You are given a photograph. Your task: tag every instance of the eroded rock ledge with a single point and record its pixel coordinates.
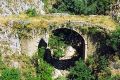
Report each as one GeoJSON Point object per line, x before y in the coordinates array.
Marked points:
{"type": "Point", "coordinates": [9, 7]}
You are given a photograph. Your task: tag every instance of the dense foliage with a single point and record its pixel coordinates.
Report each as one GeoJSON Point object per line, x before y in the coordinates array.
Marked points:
{"type": "Point", "coordinates": [10, 74]}
{"type": "Point", "coordinates": [83, 6]}
{"type": "Point", "coordinates": [102, 63]}
{"type": "Point", "coordinates": [100, 68]}
{"type": "Point", "coordinates": [44, 70]}
{"type": "Point", "coordinates": [81, 71]}
{"type": "Point", "coordinates": [114, 40]}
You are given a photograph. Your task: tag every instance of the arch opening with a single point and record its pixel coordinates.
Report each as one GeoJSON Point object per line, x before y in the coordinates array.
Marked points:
{"type": "Point", "coordinates": [71, 38]}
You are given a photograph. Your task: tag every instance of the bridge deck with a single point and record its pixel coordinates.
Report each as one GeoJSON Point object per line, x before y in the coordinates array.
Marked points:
{"type": "Point", "coordinates": [45, 20]}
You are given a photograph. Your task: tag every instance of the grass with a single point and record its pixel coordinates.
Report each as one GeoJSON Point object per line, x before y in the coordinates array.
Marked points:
{"type": "Point", "coordinates": [44, 21]}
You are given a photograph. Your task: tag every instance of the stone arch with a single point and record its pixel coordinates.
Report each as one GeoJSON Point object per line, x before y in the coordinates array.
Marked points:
{"type": "Point", "coordinates": [77, 42]}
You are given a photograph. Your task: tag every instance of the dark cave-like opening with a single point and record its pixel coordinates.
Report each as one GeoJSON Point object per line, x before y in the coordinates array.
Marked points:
{"type": "Point", "coordinates": [71, 38]}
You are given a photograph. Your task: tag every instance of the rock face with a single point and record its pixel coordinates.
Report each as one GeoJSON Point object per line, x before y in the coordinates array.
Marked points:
{"type": "Point", "coordinates": [8, 7]}
{"type": "Point", "coordinates": [69, 53]}
{"type": "Point", "coordinates": [115, 11]}
{"type": "Point", "coordinates": [8, 40]}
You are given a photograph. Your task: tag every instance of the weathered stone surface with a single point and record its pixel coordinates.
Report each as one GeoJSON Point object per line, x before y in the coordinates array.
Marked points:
{"type": "Point", "coordinates": [58, 73]}
{"type": "Point", "coordinates": [8, 40]}
{"type": "Point", "coordinates": [8, 7]}
{"type": "Point", "coordinates": [115, 11]}
{"type": "Point", "coordinates": [69, 53]}
{"type": "Point", "coordinates": [15, 64]}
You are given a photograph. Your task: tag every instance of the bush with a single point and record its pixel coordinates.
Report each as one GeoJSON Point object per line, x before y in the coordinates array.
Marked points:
{"type": "Point", "coordinates": [31, 12]}
{"type": "Point", "coordinates": [57, 45]}
{"type": "Point", "coordinates": [44, 70]}
{"type": "Point", "coordinates": [41, 52]}
{"type": "Point", "coordinates": [115, 77]}
{"type": "Point", "coordinates": [104, 74]}
{"type": "Point", "coordinates": [102, 63]}
{"type": "Point", "coordinates": [114, 40]}
{"type": "Point", "coordinates": [81, 72]}
{"type": "Point", "coordinates": [11, 74]}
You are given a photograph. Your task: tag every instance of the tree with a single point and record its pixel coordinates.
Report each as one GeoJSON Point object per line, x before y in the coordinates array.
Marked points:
{"type": "Point", "coordinates": [86, 7]}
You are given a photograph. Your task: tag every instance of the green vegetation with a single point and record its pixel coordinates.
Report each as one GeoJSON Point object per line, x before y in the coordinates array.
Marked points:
{"type": "Point", "coordinates": [86, 7]}
{"type": "Point", "coordinates": [103, 69]}
{"type": "Point", "coordinates": [114, 40]}
{"type": "Point", "coordinates": [31, 12]}
{"type": "Point", "coordinates": [95, 68]}
{"type": "Point", "coordinates": [44, 70]}
{"type": "Point", "coordinates": [102, 63]}
{"type": "Point", "coordinates": [27, 71]}
{"type": "Point", "coordinates": [81, 71]}
{"type": "Point", "coordinates": [41, 52]}
{"type": "Point", "coordinates": [57, 45]}
{"type": "Point", "coordinates": [100, 67]}
{"type": "Point", "coordinates": [115, 77]}
{"type": "Point", "coordinates": [10, 74]}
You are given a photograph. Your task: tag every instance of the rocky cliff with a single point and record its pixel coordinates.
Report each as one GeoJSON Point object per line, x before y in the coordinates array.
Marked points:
{"type": "Point", "coordinates": [8, 7]}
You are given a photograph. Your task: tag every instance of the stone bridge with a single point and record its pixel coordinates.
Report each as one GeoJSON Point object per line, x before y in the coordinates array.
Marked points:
{"type": "Point", "coordinates": [30, 45]}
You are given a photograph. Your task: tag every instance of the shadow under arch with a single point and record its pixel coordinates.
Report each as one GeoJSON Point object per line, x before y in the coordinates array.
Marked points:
{"type": "Point", "coordinates": [71, 38]}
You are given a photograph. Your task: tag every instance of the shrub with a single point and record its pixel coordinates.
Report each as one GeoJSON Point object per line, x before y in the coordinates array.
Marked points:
{"type": "Point", "coordinates": [81, 72]}
{"type": "Point", "coordinates": [114, 40]}
{"type": "Point", "coordinates": [11, 74]}
{"type": "Point", "coordinates": [31, 12]}
{"type": "Point", "coordinates": [91, 62]}
{"type": "Point", "coordinates": [104, 74]}
{"type": "Point", "coordinates": [115, 77]}
{"type": "Point", "coordinates": [41, 52]}
{"type": "Point", "coordinates": [57, 45]}
{"type": "Point", "coordinates": [84, 30]}
{"type": "Point", "coordinates": [102, 63]}
{"type": "Point", "coordinates": [44, 70]}
{"type": "Point", "coordinates": [58, 53]}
